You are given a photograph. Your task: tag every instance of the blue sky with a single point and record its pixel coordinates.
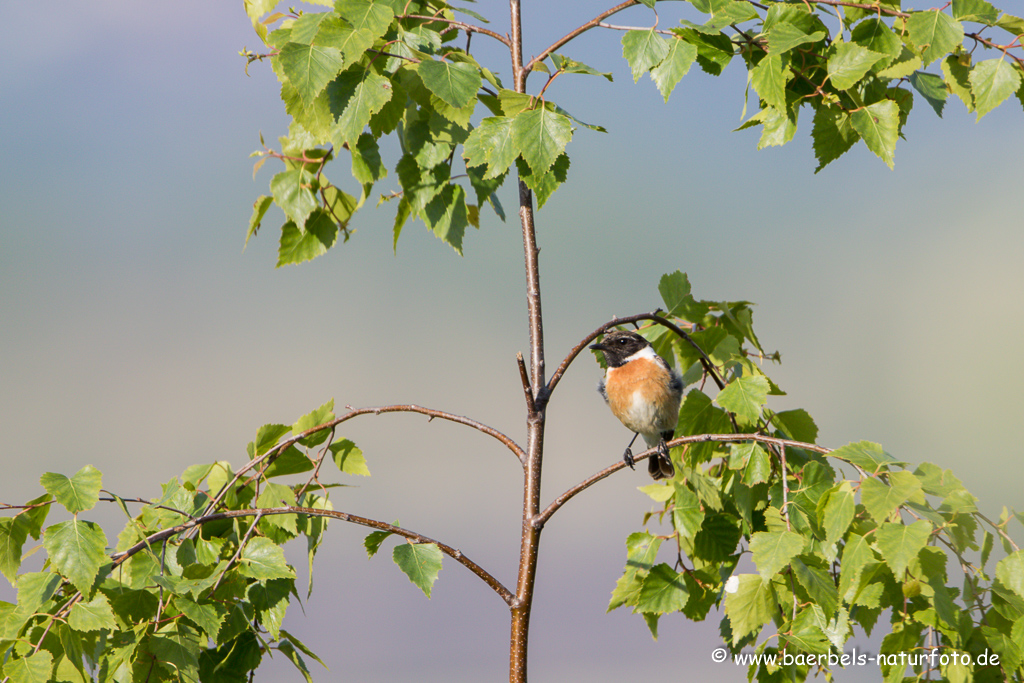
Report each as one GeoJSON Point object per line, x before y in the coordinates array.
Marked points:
{"type": "Point", "coordinates": [137, 336]}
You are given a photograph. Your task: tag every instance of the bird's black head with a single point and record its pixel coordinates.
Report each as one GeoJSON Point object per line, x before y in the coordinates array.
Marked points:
{"type": "Point", "coordinates": [618, 345]}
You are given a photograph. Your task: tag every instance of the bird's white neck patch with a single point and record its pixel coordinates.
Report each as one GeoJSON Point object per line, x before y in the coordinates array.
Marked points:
{"type": "Point", "coordinates": [646, 352]}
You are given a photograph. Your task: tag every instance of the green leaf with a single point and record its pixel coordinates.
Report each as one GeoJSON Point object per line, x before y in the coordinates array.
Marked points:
{"type": "Point", "coordinates": [899, 544]}
{"type": "Point", "coordinates": [293, 192]}
{"type": "Point", "coordinates": [297, 246]}
{"type": "Point", "coordinates": [878, 125]}
{"type": "Point", "coordinates": [78, 550]}
{"type": "Point", "coordinates": [687, 513]}
{"type": "Point", "coordinates": [374, 17]}
{"type": "Point", "coordinates": [779, 126]}
{"type": "Point", "coordinates": [992, 81]}
{"type": "Point", "coordinates": [94, 615]}
{"type": "Point", "coordinates": [321, 415]}
{"type": "Point", "coordinates": [784, 36]}
{"type": "Point", "coordinates": [745, 397]}
{"type": "Point", "coordinates": [349, 458]}
{"type": "Point", "coordinates": [749, 606]}
{"type": "Point", "coordinates": [836, 514]}
{"type": "Point", "coordinates": [310, 68]}
{"type": "Point", "coordinates": [857, 553]}
{"type": "Point", "coordinates": [207, 615]}
{"type": "Point", "coordinates": [1010, 572]}
{"type": "Point", "coordinates": [491, 143]}
{"type": "Point", "coordinates": [262, 559]}
{"type": "Point", "coordinates": [663, 591]}
{"type": "Point", "coordinates": [875, 34]}
{"type": "Point", "coordinates": [79, 493]}
{"type": "Point", "coordinates": [352, 42]}
{"type": "Point", "coordinates": [421, 562]}
{"type": "Point", "coordinates": [958, 79]}
{"type": "Point", "coordinates": [259, 209]}
{"type": "Point", "coordinates": [367, 166]}
{"type": "Point", "coordinates": [866, 455]}
{"type": "Point", "coordinates": [371, 93]}
{"type": "Point", "coordinates": [905, 64]}
{"type": "Point", "coordinates": [571, 66]}
{"type": "Point", "coordinates": [454, 82]}
{"type": "Point", "coordinates": [675, 292]}
{"type": "Point", "coordinates": [292, 654]}
{"type": "Point", "coordinates": [374, 539]}
{"type": "Point", "coordinates": [644, 50]}
{"type": "Point", "coordinates": [932, 88]}
{"type": "Point", "coordinates": [980, 11]}
{"type": "Point", "coordinates": [35, 588]}
{"type": "Point", "coordinates": [278, 495]}
{"type": "Point", "coordinates": [773, 551]}
{"type": "Point", "coordinates": [35, 668]}
{"type": "Point", "coordinates": [270, 600]}
{"type": "Point", "coordinates": [881, 500]}
{"type": "Point", "coordinates": [13, 534]}
{"type": "Point", "coordinates": [544, 184]}
{"type": "Point", "coordinates": [673, 67]}
{"type": "Point", "coordinates": [833, 135]}
{"type": "Point", "coordinates": [819, 586]}
{"type": "Point", "coordinates": [934, 32]}
{"type": "Point", "coordinates": [769, 79]}
{"type": "Point", "coordinates": [796, 424]}
{"type": "Point", "coordinates": [849, 63]}
{"type": "Point", "coordinates": [446, 214]}
{"type": "Point", "coordinates": [540, 136]}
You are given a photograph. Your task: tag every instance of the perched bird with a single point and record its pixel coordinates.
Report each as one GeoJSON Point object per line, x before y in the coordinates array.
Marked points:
{"type": "Point", "coordinates": [644, 393]}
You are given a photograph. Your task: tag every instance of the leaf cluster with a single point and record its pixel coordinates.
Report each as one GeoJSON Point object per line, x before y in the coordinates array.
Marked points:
{"type": "Point", "coordinates": [197, 585]}
{"type": "Point", "coordinates": [840, 538]}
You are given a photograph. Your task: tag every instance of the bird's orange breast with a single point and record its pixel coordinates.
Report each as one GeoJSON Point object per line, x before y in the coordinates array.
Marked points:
{"type": "Point", "coordinates": [640, 395]}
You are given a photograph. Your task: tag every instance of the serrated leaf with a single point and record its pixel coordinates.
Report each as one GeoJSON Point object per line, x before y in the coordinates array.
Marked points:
{"type": "Point", "coordinates": [544, 184]}
{"type": "Point", "coordinates": [932, 88]}
{"type": "Point", "coordinates": [849, 63]}
{"type": "Point", "coordinates": [421, 562]}
{"type": "Point", "coordinates": [992, 81]}
{"type": "Point", "coordinates": [35, 668]}
{"type": "Point", "coordinates": [374, 539]}
{"type": "Point", "coordinates": [784, 36]}
{"type": "Point", "coordinates": [293, 193]}
{"type": "Point", "coordinates": [374, 17]}
{"type": "Point", "coordinates": [745, 397]}
{"type": "Point", "coordinates": [681, 56]}
{"type": "Point", "coordinates": [980, 11]}
{"type": "Point", "coordinates": [875, 34]}
{"type": "Point", "coordinates": [1010, 572]}
{"type": "Point", "coordinates": [367, 166]}
{"type": "Point", "coordinates": [78, 550]}
{"type": "Point", "coordinates": [644, 50]}
{"type": "Point", "coordinates": [663, 591]}
{"type": "Point", "coordinates": [899, 544]}
{"type": "Point", "coordinates": [957, 78]}
{"type": "Point", "coordinates": [491, 143]}
{"type": "Point", "coordinates": [878, 126]}
{"type": "Point", "coordinates": [370, 95]}
{"type": "Point", "coordinates": [310, 68]}
{"type": "Point", "coordinates": [540, 136]}
{"type": "Point", "coordinates": [866, 455]}
{"type": "Point", "coordinates": [259, 210]}
{"type": "Point", "coordinates": [454, 82]}
{"type": "Point", "coordinates": [779, 126]}
{"type": "Point", "coordinates": [297, 246]}
{"type": "Point", "coordinates": [769, 79]}
{"type": "Point", "coordinates": [833, 135]}
{"type": "Point", "coordinates": [687, 513]}
{"type": "Point", "coordinates": [749, 607]}
{"type": "Point", "coordinates": [13, 535]}
{"type": "Point", "coordinates": [207, 615]}
{"type": "Point", "coordinates": [446, 214]}
{"type": "Point", "coordinates": [352, 42]}
{"type": "Point", "coordinates": [819, 586]}
{"type": "Point", "coordinates": [773, 551]}
{"type": "Point", "coordinates": [837, 512]}
{"type": "Point", "coordinates": [934, 32]}
{"type": "Point", "coordinates": [262, 559]}
{"type": "Point", "coordinates": [79, 493]}
{"type": "Point", "coordinates": [349, 458]}
{"type": "Point", "coordinates": [675, 292]}
{"type": "Point", "coordinates": [881, 500]}
{"type": "Point", "coordinates": [905, 64]}
{"type": "Point", "coordinates": [571, 66]}
{"type": "Point", "coordinates": [94, 615]}
{"type": "Point", "coordinates": [270, 599]}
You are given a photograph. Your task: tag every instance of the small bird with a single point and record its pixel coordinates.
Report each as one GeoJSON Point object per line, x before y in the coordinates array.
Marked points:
{"type": "Point", "coordinates": [644, 393]}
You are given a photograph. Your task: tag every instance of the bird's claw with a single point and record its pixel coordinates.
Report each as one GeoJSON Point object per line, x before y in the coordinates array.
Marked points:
{"type": "Point", "coordinates": [627, 458]}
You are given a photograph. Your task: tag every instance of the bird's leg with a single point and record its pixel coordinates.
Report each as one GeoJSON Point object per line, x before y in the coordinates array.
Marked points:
{"type": "Point", "coordinates": [627, 457]}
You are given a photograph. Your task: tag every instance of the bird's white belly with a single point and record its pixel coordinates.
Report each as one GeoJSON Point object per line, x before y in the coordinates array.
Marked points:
{"type": "Point", "coordinates": [642, 417]}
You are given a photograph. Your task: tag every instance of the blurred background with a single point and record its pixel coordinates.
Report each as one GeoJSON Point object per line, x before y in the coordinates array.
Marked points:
{"type": "Point", "coordinates": [136, 336]}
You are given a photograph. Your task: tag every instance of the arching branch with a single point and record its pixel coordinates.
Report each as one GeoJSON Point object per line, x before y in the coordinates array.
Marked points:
{"type": "Point", "coordinates": [448, 550]}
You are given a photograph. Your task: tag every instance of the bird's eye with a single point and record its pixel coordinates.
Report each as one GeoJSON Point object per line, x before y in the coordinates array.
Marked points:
{"type": "Point", "coordinates": [623, 341]}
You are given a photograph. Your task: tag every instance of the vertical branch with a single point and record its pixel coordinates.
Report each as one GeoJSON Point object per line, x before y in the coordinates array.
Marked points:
{"type": "Point", "coordinates": [530, 541]}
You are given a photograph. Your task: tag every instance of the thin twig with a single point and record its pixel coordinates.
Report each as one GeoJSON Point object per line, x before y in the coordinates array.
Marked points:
{"type": "Point", "coordinates": [579, 30]}
{"type": "Point", "coordinates": [469, 28]}
{"type": "Point", "coordinates": [527, 389]}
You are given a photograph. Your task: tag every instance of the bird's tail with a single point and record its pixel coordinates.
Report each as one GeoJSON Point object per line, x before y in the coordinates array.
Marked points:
{"type": "Point", "coordinates": [660, 466]}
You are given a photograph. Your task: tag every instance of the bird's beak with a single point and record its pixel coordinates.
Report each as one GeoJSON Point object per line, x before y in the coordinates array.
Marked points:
{"type": "Point", "coordinates": [597, 347]}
